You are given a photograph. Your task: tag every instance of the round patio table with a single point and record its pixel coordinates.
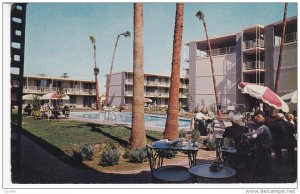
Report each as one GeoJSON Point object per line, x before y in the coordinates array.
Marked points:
{"type": "Point", "coordinates": [202, 171]}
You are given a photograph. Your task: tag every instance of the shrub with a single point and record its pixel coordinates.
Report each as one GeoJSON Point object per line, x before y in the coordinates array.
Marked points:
{"type": "Point", "coordinates": [168, 154]}
{"type": "Point", "coordinates": [136, 155]}
{"type": "Point", "coordinates": [182, 133]}
{"type": "Point", "coordinates": [86, 152]}
{"type": "Point", "coordinates": [209, 143]}
{"type": "Point", "coordinates": [196, 136]}
{"type": "Point", "coordinates": [110, 156]}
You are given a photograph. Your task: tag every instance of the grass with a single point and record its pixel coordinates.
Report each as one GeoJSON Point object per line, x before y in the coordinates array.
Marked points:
{"type": "Point", "coordinates": [66, 136]}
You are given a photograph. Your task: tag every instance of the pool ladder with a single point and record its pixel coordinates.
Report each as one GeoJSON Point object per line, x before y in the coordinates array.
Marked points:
{"type": "Point", "coordinates": [109, 115]}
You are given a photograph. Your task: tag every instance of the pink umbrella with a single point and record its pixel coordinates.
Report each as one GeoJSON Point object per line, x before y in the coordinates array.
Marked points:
{"type": "Point", "coordinates": [54, 96]}
{"type": "Point", "coordinates": [264, 94]}
{"type": "Point", "coordinates": [147, 100]}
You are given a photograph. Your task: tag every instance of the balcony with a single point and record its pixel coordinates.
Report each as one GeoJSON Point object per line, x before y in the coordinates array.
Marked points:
{"type": "Point", "coordinates": [183, 86]}
{"type": "Point", "coordinates": [254, 65]}
{"type": "Point", "coordinates": [128, 81]}
{"type": "Point", "coordinates": [256, 43]}
{"type": "Point", "coordinates": [216, 52]}
{"type": "Point", "coordinates": [150, 94]}
{"type": "Point", "coordinates": [44, 90]}
{"type": "Point", "coordinates": [129, 93]}
{"type": "Point", "coordinates": [182, 95]}
{"type": "Point", "coordinates": [164, 94]}
{"type": "Point", "coordinates": [288, 38]}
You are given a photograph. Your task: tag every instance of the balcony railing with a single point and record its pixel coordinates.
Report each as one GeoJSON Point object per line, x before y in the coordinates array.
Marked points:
{"type": "Point", "coordinates": [292, 37]}
{"type": "Point", "coordinates": [216, 52]}
{"type": "Point", "coordinates": [254, 65]}
{"type": "Point", "coordinates": [128, 93]}
{"type": "Point", "coordinates": [129, 81]}
{"type": "Point", "coordinates": [39, 89]}
{"type": "Point", "coordinates": [183, 85]}
{"type": "Point", "coordinates": [256, 43]}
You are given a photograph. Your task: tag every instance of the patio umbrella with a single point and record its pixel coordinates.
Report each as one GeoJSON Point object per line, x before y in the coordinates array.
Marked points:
{"type": "Point", "coordinates": [265, 94]}
{"type": "Point", "coordinates": [291, 97]}
{"type": "Point", "coordinates": [54, 96]}
{"type": "Point", "coordinates": [31, 97]}
{"type": "Point", "coordinates": [147, 100]}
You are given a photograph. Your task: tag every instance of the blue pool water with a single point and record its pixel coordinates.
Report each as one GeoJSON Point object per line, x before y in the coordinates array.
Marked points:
{"type": "Point", "coordinates": [150, 120]}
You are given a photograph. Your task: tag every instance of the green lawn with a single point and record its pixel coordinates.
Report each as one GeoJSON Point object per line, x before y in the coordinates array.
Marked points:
{"type": "Point", "coordinates": [64, 134]}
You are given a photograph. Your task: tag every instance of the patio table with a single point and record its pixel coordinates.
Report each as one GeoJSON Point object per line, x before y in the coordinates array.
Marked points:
{"type": "Point", "coordinates": [188, 147]}
{"type": "Point", "coordinates": [171, 173]}
{"type": "Point", "coordinates": [203, 171]}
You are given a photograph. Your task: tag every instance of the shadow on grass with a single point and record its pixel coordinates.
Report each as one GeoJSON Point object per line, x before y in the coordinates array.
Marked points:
{"type": "Point", "coordinates": [40, 166]}
{"type": "Point", "coordinates": [97, 128]}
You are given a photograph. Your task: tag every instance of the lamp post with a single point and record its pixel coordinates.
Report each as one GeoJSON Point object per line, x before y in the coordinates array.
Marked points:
{"type": "Point", "coordinates": [125, 34]}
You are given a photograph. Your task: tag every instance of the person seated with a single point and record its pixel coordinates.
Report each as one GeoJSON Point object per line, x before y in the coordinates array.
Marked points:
{"type": "Point", "coordinates": [28, 109]}
{"type": "Point", "coordinates": [210, 116]}
{"type": "Point", "coordinates": [66, 111]}
{"type": "Point", "coordinates": [232, 137]}
{"type": "Point", "coordinates": [200, 123]}
{"type": "Point", "coordinates": [236, 130]}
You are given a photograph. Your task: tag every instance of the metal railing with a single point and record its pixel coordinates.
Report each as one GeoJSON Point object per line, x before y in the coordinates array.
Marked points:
{"type": "Point", "coordinates": [254, 65]}
{"type": "Point", "coordinates": [45, 89]}
{"type": "Point", "coordinates": [151, 94]}
{"type": "Point", "coordinates": [288, 38]}
{"type": "Point", "coordinates": [256, 43]}
{"type": "Point", "coordinates": [128, 93]}
{"type": "Point", "coordinates": [218, 51]}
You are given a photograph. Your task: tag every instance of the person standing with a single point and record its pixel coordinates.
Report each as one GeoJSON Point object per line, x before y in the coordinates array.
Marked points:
{"type": "Point", "coordinates": [263, 140]}
{"type": "Point", "coordinates": [283, 137]}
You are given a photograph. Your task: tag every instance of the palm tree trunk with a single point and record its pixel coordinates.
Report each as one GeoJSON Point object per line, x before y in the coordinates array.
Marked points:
{"type": "Point", "coordinates": [171, 131]}
{"type": "Point", "coordinates": [138, 134]}
{"type": "Point", "coordinates": [110, 72]}
{"type": "Point", "coordinates": [212, 69]}
{"type": "Point", "coordinates": [96, 72]}
{"type": "Point", "coordinates": [281, 48]}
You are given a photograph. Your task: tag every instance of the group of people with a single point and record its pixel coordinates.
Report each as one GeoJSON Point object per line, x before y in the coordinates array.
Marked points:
{"type": "Point", "coordinates": [276, 134]}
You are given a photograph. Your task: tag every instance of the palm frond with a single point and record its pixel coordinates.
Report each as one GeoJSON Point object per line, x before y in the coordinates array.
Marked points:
{"type": "Point", "coordinates": [93, 39]}
{"type": "Point", "coordinates": [200, 15]}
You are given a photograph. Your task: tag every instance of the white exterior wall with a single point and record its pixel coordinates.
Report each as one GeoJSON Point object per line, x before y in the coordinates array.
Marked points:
{"type": "Point", "coordinates": [116, 91]}
{"type": "Point", "coordinates": [225, 68]}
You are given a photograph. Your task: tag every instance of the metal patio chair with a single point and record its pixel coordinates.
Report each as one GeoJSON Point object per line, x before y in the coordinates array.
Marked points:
{"type": "Point", "coordinates": [165, 174]}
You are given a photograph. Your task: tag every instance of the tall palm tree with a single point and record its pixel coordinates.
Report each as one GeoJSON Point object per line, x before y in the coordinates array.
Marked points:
{"type": "Point", "coordinates": [96, 72]}
{"type": "Point", "coordinates": [281, 48]}
{"type": "Point", "coordinates": [125, 34]}
{"type": "Point", "coordinates": [200, 15]}
{"type": "Point", "coordinates": [138, 133]}
{"type": "Point", "coordinates": [171, 131]}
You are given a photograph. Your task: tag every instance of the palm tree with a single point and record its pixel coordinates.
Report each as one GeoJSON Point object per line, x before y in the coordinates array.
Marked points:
{"type": "Point", "coordinates": [281, 48]}
{"type": "Point", "coordinates": [125, 34]}
{"type": "Point", "coordinates": [200, 15]}
{"type": "Point", "coordinates": [96, 72]}
{"type": "Point", "coordinates": [171, 131]}
{"type": "Point", "coordinates": [138, 133]}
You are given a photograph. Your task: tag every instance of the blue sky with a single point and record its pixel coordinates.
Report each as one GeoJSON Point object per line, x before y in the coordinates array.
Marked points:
{"type": "Point", "coordinates": [57, 34]}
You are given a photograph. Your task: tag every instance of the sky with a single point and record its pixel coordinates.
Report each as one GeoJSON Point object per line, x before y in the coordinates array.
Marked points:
{"type": "Point", "coordinates": [57, 34]}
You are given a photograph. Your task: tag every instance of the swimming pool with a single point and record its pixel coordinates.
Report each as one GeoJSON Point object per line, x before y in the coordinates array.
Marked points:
{"type": "Point", "coordinates": [150, 120]}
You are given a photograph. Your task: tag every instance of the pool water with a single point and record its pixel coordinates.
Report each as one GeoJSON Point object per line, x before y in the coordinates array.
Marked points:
{"type": "Point", "coordinates": [150, 120]}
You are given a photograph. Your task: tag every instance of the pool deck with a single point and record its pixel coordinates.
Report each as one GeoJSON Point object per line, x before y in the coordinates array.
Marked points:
{"type": "Point", "coordinates": [112, 123]}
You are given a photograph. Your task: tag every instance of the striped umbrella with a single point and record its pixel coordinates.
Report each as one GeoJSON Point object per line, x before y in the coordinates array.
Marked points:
{"type": "Point", "coordinates": [291, 97]}
{"type": "Point", "coordinates": [265, 94]}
